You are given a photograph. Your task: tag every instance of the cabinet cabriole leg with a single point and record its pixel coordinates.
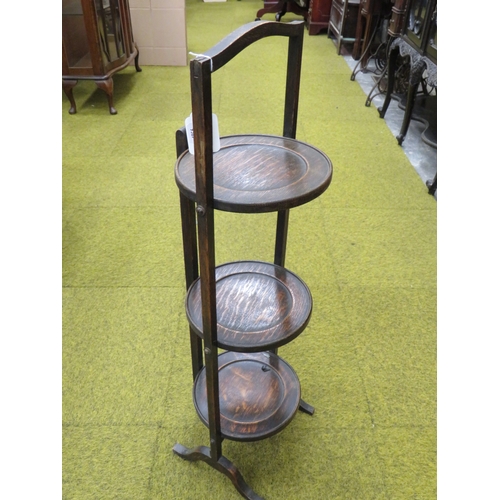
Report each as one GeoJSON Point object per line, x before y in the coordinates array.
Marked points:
{"type": "Point", "coordinates": [68, 90]}
{"type": "Point", "coordinates": [391, 70]}
{"type": "Point", "coordinates": [107, 86]}
{"type": "Point", "coordinates": [136, 60]}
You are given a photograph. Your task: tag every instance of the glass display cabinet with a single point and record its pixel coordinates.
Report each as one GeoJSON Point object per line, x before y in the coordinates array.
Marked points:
{"type": "Point", "coordinates": [421, 31]}
{"type": "Point", "coordinates": [97, 42]}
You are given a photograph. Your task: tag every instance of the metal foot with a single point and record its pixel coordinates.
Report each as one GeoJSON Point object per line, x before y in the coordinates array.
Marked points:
{"type": "Point", "coordinates": [222, 465]}
{"type": "Point", "coordinates": [306, 408]}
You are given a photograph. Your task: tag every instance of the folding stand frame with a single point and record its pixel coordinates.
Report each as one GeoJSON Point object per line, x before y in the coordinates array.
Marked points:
{"type": "Point", "coordinates": [249, 308]}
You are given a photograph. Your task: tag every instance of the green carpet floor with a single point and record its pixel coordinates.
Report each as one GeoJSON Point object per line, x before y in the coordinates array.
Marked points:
{"type": "Point", "coordinates": [366, 248]}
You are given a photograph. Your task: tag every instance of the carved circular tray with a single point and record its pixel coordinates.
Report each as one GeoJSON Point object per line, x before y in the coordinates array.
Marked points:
{"type": "Point", "coordinates": [259, 306]}
{"type": "Point", "coordinates": [259, 393]}
{"type": "Point", "coordinates": [260, 173]}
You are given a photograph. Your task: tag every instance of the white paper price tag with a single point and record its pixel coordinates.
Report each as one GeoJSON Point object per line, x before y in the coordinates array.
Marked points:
{"type": "Point", "coordinates": [215, 133]}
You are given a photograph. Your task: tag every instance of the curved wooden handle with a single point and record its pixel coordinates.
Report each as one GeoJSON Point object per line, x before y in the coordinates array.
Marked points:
{"type": "Point", "coordinates": [233, 44]}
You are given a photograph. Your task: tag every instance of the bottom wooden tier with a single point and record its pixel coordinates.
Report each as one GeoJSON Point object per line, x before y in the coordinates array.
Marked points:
{"type": "Point", "coordinates": [259, 394]}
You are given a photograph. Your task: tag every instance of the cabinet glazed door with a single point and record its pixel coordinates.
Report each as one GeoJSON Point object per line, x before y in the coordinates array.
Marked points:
{"type": "Point", "coordinates": [421, 20]}
{"type": "Point", "coordinates": [76, 49]}
{"type": "Point", "coordinates": [431, 48]}
{"type": "Point", "coordinates": [110, 30]}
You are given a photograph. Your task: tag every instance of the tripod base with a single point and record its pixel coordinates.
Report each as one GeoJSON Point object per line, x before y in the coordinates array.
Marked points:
{"type": "Point", "coordinates": [222, 465]}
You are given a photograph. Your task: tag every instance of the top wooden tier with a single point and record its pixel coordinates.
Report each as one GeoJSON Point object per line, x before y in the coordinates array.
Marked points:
{"type": "Point", "coordinates": [260, 173]}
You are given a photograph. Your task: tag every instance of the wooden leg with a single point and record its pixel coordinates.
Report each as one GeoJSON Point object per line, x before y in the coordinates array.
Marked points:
{"type": "Point", "coordinates": [415, 77]}
{"type": "Point", "coordinates": [107, 86]}
{"type": "Point", "coordinates": [279, 260]}
{"type": "Point", "coordinates": [432, 185]}
{"type": "Point", "coordinates": [410, 101]}
{"type": "Point", "coordinates": [358, 42]}
{"type": "Point", "coordinates": [68, 90]}
{"type": "Point", "coordinates": [189, 244]}
{"type": "Point", "coordinates": [136, 60]}
{"type": "Point", "coordinates": [281, 237]}
{"type": "Point", "coordinates": [222, 465]}
{"type": "Point", "coordinates": [280, 243]}
{"type": "Point", "coordinates": [366, 41]}
{"type": "Point", "coordinates": [339, 44]}
{"type": "Point", "coordinates": [188, 219]}
{"type": "Point", "coordinates": [391, 71]}
{"type": "Point", "coordinates": [306, 408]}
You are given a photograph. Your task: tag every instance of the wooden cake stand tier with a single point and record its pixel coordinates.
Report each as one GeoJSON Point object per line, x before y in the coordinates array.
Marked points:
{"type": "Point", "coordinates": [260, 306]}
{"type": "Point", "coordinates": [259, 394]}
{"type": "Point", "coordinates": [260, 173]}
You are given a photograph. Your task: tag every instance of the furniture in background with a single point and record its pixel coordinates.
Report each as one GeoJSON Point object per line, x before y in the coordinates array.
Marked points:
{"type": "Point", "coordinates": [343, 21]}
{"type": "Point", "coordinates": [380, 56]}
{"type": "Point", "coordinates": [281, 7]}
{"type": "Point", "coordinates": [247, 308]}
{"type": "Point", "coordinates": [318, 15]}
{"type": "Point", "coordinates": [398, 13]}
{"type": "Point", "coordinates": [371, 13]}
{"type": "Point", "coordinates": [97, 41]}
{"type": "Point", "coordinates": [418, 45]}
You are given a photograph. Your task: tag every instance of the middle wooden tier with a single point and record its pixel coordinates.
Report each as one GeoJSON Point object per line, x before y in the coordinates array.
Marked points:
{"type": "Point", "coordinates": [260, 306]}
{"type": "Point", "coordinates": [260, 173]}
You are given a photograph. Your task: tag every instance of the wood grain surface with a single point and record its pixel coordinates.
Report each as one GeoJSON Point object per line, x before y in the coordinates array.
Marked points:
{"type": "Point", "coordinates": [259, 306]}
{"type": "Point", "coordinates": [259, 393]}
{"type": "Point", "coordinates": [260, 173]}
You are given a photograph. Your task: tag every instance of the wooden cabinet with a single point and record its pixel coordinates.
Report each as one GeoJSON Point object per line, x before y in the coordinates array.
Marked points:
{"type": "Point", "coordinates": [97, 42]}
{"type": "Point", "coordinates": [417, 44]}
{"type": "Point", "coordinates": [371, 12]}
{"type": "Point", "coordinates": [421, 27]}
{"type": "Point", "coordinates": [318, 15]}
{"type": "Point", "coordinates": [343, 21]}
{"type": "Point", "coordinates": [397, 22]}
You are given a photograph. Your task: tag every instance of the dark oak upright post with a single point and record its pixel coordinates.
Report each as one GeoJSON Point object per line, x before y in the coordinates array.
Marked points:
{"type": "Point", "coordinates": [201, 94]}
{"type": "Point", "coordinates": [189, 242]}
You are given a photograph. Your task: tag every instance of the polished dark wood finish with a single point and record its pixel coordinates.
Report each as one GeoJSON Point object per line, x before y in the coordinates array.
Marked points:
{"type": "Point", "coordinates": [190, 244]}
{"type": "Point", "coordinates": [260, 173]}
{"type": "Point", "coordinates": [343, 21]}
{"type": "Point", "coordinates": [249, 392]}
{"type": "Point", "coordinates": [397, 21]}
{"type": "Point", "coordinates": [259, 394]}
{"type": "Point", "coordinates": [222, 465]}
{"type": "Point", "coordinates": [260, 306]}
{"type": "Point", "coordinates": [97, 42]}
{"type": "Point", "coordinates": [318, 15]}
